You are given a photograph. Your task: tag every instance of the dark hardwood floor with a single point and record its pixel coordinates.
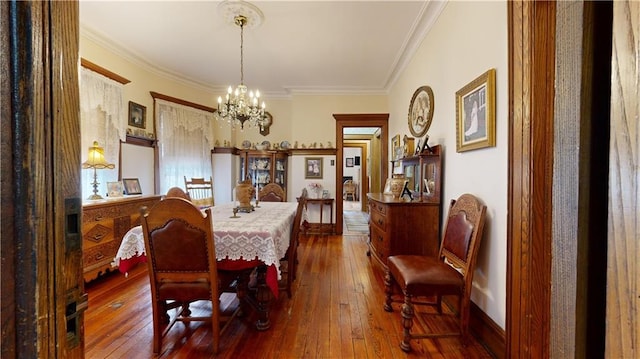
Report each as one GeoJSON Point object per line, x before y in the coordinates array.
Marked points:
{"type": "Point", "coordinates": [336, 312]}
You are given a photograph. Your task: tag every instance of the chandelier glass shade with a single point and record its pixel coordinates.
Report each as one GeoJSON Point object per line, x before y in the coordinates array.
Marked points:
{"type": "Point", "coordinates": [242, 106]}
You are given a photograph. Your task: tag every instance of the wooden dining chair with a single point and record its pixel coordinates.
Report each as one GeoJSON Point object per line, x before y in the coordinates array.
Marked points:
{"type": "Point", "coordinates": [272, 192]}
{"type": "Point", "coordinates": [451, 273]}
{"type": "Point", "coordinates": [289, 264]}
{"type": "Point", "coordinates": [200, 191]}
{"type": "Point", "coordinates": [349, 190]}
{"type": "Point", "coordinates": [180, 248]}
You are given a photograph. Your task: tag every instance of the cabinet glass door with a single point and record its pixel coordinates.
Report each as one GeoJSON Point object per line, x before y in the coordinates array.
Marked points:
{"type": "Point", "coordinates": [280, 172]}
{"type": "Point", "coordinates": [259, 171]}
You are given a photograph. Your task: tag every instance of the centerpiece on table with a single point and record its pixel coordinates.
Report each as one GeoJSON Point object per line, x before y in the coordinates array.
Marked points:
{"type": "Point", "coordinates": [316, 189]}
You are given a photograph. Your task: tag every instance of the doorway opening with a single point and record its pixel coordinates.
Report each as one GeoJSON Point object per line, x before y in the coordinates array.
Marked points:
{"type": "Point", "coordinates": [377, 153]}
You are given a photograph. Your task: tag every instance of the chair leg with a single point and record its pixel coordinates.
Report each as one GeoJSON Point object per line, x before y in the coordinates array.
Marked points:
{"type": "Point", "coordinates": [159, 313]}
{"type": "Point", "coordinates": [407, 323]}
{"type": "Point", "coordinates": [464, 320]}
{"type": "Point", "coordinates": [388, 290]}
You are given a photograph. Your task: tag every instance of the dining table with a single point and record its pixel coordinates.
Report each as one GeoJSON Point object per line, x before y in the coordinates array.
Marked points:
{"type": "Point", "coordinates": [244, 241]}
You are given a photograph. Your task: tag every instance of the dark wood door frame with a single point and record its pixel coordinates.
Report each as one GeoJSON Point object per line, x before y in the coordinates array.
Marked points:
{"type": "Point", "coordinates": [363, 186]}
{"type": "Point", "coordinates": [343, 121]}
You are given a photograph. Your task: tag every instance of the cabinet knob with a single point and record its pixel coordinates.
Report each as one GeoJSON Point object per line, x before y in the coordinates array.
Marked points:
{"type": "Point", "coordinates": [98, 218]}
{"type": "Point", "coordinates": [99, 256]}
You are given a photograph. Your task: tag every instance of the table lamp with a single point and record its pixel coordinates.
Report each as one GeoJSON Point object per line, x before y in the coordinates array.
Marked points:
{"type": "Point", "coordinates": [96, 161]}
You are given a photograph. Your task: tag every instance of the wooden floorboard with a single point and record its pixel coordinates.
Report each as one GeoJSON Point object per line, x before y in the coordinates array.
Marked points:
{"type": "Point", "coordinates": [336, 312]}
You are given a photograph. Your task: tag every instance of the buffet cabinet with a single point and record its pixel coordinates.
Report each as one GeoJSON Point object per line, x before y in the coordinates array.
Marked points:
{"type": "Point", "coordinates": [397, 226]}
{"type": "Point", "coordinates": [104, 223]}
{"type": "Point", "coordinates": [264, 167]}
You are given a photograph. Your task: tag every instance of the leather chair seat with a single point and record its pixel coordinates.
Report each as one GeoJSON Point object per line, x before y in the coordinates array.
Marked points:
{"type": "Point", "coordinates": [422, 275]}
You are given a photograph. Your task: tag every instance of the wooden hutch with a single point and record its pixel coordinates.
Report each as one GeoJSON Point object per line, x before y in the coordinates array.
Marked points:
{"type": "Point", "coordinates": [409, 226]}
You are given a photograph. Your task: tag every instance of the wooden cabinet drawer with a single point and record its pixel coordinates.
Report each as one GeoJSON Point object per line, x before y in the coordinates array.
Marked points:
{"type": "Point", "coordinates": [378, 220]}
{"type": "Point", "coordinates": [380, 243]}
{"type": "Point", "coordinates": [103, 226]}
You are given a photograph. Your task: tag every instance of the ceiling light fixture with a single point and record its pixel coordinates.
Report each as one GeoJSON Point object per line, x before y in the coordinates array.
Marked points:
{"type": "Point", "coordinates": [242, 106]}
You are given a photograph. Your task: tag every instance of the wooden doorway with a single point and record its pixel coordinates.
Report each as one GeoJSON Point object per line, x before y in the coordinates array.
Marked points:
{"type": "Point", "coordinates": [343, 121]}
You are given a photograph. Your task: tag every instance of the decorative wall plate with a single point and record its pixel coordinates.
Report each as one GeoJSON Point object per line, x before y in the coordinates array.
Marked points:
{"type": "Point", "coordinates": [266, 144]}
{"type": "Point", "coordinates": [421, 111]}
{"type": "Point", "coordinates": [246, 144]}
{"type": "Point", "coordinates": [285, 145]}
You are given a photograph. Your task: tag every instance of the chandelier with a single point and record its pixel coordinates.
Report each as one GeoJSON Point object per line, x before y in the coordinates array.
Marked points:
{"type": "Point", "coordinates": [241, 105]}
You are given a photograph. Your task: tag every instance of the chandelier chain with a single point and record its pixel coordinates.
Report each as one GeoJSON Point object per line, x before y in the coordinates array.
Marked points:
{"type": "Point", "coordinates": [239, 106]}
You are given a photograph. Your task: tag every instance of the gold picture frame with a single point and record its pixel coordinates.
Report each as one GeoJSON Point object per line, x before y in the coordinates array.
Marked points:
{"type": "Point", "coordinates": [313, 167]}
{"type": "Point", "coordinates": [476, 113]}
{"type": "Point", "coordinates": [420, 111]}
{"type": "Point", "coordinates": [137, 115]}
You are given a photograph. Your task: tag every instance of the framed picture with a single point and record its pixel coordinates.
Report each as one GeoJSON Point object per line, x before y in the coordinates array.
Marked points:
{"type": "Point", "coordinates": [325, 194]}
{"type": "Point", "coordinates": [137, 115]}
{"type": "Point", "coordinates": [313, 167]}
{"type": "Point", "coordinates": [349, 161]}
{"type": "Point", "coordinates": [476, 113]}
{"type": "Point", "coordinates": [421, 111]}
{"type": "Point", "coordinates": [131, 186]}
{"type": "Point", "coordinates": [356, 161]}
{"type": "Point", "coordinates": [114, 189]}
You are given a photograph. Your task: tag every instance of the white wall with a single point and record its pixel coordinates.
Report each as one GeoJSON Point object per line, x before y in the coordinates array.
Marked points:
{"type": "Point", "coordinates": [351, 152]}
{"type": "Point", "coordinates": [468, 39]}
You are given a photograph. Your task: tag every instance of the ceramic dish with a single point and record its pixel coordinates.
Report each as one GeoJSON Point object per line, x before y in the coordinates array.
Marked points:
{"type": "Point", "coordinates": [285, 145]}
{"type": "Point", "coordinates": [246, 144]}
{"type": "Point", "coordinates": [266, 144]}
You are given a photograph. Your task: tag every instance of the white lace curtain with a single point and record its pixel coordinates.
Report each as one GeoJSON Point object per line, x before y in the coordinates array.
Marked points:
{"type": "Point", "coordinates": [102, 119]}
{"type": "Point", "coordinates": [185, 140]}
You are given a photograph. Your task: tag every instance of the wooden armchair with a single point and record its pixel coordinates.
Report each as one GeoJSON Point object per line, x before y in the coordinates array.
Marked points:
{"type": "Point", "coordinates": [200, 191]}
{"type": "Point", "coordinates": [272, 192]}
{"type": "Point", "coordinates": [451, 273]}
{"type": "Point", "coordinates": [182, 264]}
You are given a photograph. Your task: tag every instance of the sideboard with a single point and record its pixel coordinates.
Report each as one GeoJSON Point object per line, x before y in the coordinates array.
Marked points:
{"type": "Point", "coordinates": [104, 223]}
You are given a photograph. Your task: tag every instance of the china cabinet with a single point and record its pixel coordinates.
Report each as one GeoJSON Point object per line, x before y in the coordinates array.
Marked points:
{"type": "Point", "coordinates": [264, 167]}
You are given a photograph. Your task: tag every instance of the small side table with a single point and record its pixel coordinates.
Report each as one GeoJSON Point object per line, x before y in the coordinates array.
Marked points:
{"type": "Point", "coordinates": [322, 202]}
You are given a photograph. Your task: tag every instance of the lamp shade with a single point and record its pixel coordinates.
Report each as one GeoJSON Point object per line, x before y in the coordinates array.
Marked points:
{"type": "Point", "coordinates": [96, 158]}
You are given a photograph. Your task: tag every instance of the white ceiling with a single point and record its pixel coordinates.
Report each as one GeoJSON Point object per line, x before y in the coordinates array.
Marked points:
{"type": "Point", "coordinates": [301, 46]}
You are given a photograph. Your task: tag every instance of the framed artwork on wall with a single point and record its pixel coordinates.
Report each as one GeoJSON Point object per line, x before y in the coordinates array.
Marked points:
{"type": "Point", "coordinates": [348, 161]}
{"type": "Point", "coordinates": [137, 115]}
{"type": "Point", "coordinates": [476, 113]}
{"type": "Point", "coordinates": [421, 111]}
{"type": "Point", "coordinates": [313, 167]}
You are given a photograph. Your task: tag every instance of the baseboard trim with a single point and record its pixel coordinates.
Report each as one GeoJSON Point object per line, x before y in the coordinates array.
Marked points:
{"type": "Point", "coordinates": [487, 332]}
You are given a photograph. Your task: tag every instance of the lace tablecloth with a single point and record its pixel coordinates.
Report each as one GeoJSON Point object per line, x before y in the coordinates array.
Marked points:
{"type": "Point", "coordinates": [262, 234]}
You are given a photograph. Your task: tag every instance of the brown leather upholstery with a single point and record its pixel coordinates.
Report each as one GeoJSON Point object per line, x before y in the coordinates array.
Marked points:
{"type": "Point", "coordinates": [271, 192]}
{"type": "Point", "coordinates": [177, 192]}
{"type": "Point", "coordinates": [182, 264]}
{"type": "Point", "coordinates": [200, 191]}
{"type": "Point", "coordinates": [451, 273]}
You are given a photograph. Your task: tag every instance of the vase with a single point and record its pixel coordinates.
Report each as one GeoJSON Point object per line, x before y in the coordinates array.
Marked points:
{"type": "Point", "coordinates": [396, 184]}
{"type": "Point", "coordinates": [244, 194]}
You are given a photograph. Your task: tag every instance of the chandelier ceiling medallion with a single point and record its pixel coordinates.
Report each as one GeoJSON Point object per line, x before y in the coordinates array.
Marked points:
{"type": "Point", "coordinates": [242, 106]}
